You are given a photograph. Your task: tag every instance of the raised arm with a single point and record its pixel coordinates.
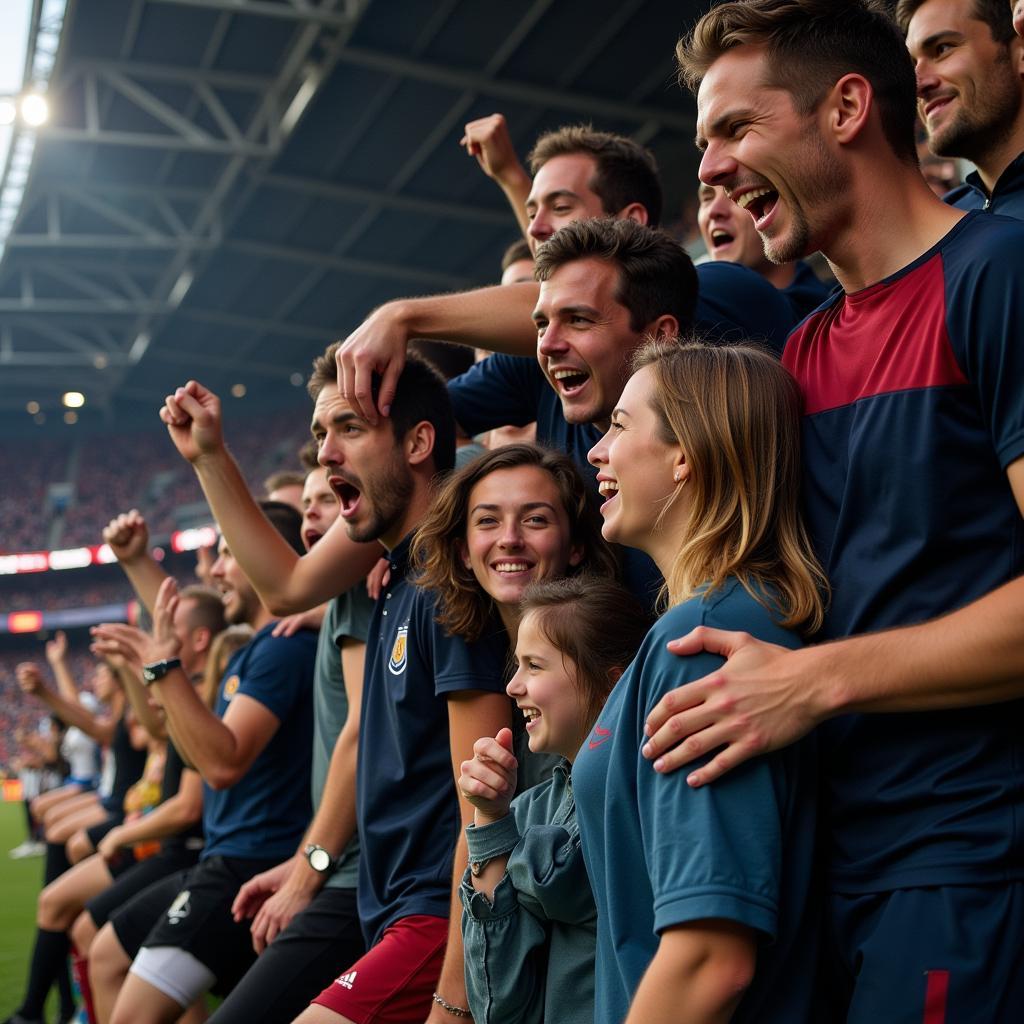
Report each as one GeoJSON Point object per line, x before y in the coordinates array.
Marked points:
{"type": "Point", "coordinates": [56, 655]}
{"type": "Point", "coordinates": [488, 139]}
{"type": "Point", "coordinates": [70, 712]}
{"type": "Point", "coordinates": [498, 319]}
{"type": "Point", "coordinates": [766, 697]}
{"type": "Point", "coordinates": [285, 582]}
{"type": "Point", "coordinates": [128, 538]}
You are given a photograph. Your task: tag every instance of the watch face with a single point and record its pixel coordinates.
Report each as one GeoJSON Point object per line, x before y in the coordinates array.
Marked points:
{"type": "Point", "coordinates": [319, 860]}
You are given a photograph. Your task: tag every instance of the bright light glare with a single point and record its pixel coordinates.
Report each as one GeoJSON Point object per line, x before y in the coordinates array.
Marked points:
{"type": "Point", "coordinates": [8, 110]}
{"type": "Point", "coordinates": [73, 399]}
{"type": "Point", "coordinates": [34, 110]}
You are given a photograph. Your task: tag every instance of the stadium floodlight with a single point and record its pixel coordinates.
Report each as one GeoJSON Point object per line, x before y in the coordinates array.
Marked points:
{"type": "Point", "coordinates": [32, 408]}
{"type": "Point", "coordinates": [73, 399]}
{"type": "Point", "coordinates": [35, 111]}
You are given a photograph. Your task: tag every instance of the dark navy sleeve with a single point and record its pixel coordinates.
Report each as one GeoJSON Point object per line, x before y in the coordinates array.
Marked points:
{"type": "Point", "coordinates": [277, 672]}
{"type": "Point", "coordinates": [735, 303]}
{"type": "Point", "coordinates": [499, 391]}
{"type": "Point", "coordinates": [459, 665]}
{"type": "Point", "coordinates": [985, 317]}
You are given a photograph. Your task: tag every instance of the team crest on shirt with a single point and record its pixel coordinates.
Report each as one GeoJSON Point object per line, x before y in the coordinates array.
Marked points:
{"type": "Point", "coordinates": [399, 652]}
{"type": "Point", "coordinates": [231, 687]}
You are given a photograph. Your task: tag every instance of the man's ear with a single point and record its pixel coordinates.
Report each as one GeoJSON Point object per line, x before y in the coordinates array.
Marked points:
{"type": "Point", "coordinates": [202, 637]}
{"type": "Point", "coordinates": [848, 107]}
{"type": "Point", "coordinates": [635, 211]}
{"type": "Point", "coordinates": [664, 328]}
{"type": "Point", "coordinates": [419, 443]}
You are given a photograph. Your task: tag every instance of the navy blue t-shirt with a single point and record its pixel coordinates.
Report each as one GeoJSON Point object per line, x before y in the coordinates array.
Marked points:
{"type": "Point", "coordinates": [660, 854]}
{"type": "Point", "coordinates": [913, 409]}
{"type": "Point", "coordinates": [806, 292]}
{"type": "Point", "coordinates": [1007, 197]}
{"type": "Point", "coordinates": [407, 807]}
{"type": "Point", "coordinates": [266, 812]}
{"type": "Point", "coordinates": [735, 303]}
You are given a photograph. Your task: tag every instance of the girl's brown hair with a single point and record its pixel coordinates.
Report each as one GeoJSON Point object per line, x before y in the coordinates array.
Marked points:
{"type": "Point", "coordinates": [735, 413]}
{"type": "Point", "coordinates": [225, 643]}
{"type": "Point", "coordinates": [464, 609]}
{"type": "Point", "coordinates": [595, 623]}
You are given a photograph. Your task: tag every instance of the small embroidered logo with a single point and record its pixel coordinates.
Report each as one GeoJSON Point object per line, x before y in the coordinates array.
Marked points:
{"type": "Point", "coordinates": [603, 735]}
{"type": "Point", "coordinates": [231, 687]}
{"type": "Point", "coordinates": [399, 652]}
{"type": "Point", "coordinates": [180, 908]}
{"type": "Point", "coordinates": [348, 980]}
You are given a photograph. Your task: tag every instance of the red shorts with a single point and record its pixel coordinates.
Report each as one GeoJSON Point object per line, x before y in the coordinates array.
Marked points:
{"type": "Point", "coordinates": [394, 982]}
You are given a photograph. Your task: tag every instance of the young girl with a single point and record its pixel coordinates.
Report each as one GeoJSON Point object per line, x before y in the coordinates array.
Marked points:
{"type": "Point", "coordinates": [529, 918]}
{"type": "Point", "coordinates": [703, 895]}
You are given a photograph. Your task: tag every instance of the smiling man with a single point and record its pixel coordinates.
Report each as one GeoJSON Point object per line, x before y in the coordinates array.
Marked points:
{"type": "Point", "coordinates": [913, 454]}
{"type": "Point", "coordinates": [970, 89]}
{"type": "Point", "coordinates": [729, 234]}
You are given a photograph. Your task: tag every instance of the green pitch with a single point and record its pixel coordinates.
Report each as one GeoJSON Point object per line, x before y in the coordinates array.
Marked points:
{"type": "Point", "coordinates": [20, 882]}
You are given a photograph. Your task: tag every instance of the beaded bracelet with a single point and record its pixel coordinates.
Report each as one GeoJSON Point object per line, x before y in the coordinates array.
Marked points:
{"type": "Point", "coordinates": [455, 1011]}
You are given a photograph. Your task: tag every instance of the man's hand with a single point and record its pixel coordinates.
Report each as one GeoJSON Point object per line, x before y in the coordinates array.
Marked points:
{"type": "Point", "coordinates": [127, 535]}
{"type": "Point", "coordinates": [488, 781]}
{"type": "Point", "coordinates": [277, 912]}
{"type": "Point", "coordinates": [291, 624]}
{"type": "Point", "coordinates": [110, 845]}
{"type": "Point", "coordinates": [378, 578]}
{"type": "Point", "coordinates": [377, 345]}
{"type": "Point", "coordinates": [163, 617]}
{"type": "Point", "coordinates": [57, 648]}
{"type": "Point", "coordinates": [204, 565]}
{"type": "Point", "coordinates": [132, 643]}
{"type": "Point", "coordinates": [30, 679]}
{"type": "Point", "coordinates": [489, 141]}
{"type": "Point", "coordinates": [193, 419]}
{"type": "Point", "coordinates": [761, 699]}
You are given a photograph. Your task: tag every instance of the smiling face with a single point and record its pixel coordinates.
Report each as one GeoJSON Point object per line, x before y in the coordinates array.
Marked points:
{"type": "Point", "coordinates": [241, 602]}
{"type": "Point", "coordinates": [320, 507]}
{"type": "Point", "coordinates": [728, 231]}
{"type": "Point", "coordinates": [584, 338]}
{"type": "Point", "coordinates": [547, 691]}
{"type": "Point", "coordinates": [969, 87]}
{"type": "Point", "coordinates": [773, 161]}
{"type": "Point", "coordinates": [517, 532]}
{"type": "Point", "coordinates": [561, 193]}
{"type": "Point", "coordinates": [365, 468]}
{"type": "Point", "coordinates": [640, 475]}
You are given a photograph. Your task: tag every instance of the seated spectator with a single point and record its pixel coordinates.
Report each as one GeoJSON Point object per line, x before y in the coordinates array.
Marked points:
{"type": "Point", "coordinates": [170, 944]}
{"type": "Point", "coordinates": [529, 920]}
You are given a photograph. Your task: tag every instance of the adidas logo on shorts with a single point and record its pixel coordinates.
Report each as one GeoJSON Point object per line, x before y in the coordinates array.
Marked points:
{"type": "Point", "coordinates": [347, 980]}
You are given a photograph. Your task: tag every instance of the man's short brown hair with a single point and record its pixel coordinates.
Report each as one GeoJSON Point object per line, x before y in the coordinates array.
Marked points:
{"type": "Point", "coordinates": [656, 277]}
{"type": "Point", "coordinates": [810, 45]}
{"type": "Point", "coordinates": [625, 173]}
{"type": "Point", "coordinates": [995, 13]}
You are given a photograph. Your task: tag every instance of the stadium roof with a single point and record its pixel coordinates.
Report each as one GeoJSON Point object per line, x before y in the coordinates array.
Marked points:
{"type": "Point", "coordinates": [226, 185]}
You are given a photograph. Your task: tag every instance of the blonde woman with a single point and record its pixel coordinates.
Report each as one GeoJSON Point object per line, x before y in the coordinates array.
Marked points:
{"type": "Point", "coordinates": [705, 908]}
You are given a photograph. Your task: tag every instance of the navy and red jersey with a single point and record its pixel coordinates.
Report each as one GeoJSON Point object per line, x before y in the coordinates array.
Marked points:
{"type": "Point", "coordinates": [914, 409]}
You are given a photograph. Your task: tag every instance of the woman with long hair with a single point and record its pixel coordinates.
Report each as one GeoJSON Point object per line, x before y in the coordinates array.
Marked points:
{"type": "Point", "coordinates": [704, 896]}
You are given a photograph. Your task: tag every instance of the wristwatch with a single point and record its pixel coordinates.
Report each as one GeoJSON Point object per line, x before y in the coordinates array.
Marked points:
{"type": "Point", "coordinates": [151, 673]}
{"type": "Point", "coordinates": [320, 860]}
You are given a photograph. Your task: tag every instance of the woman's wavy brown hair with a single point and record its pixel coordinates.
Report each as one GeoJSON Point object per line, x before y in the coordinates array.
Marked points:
{"type": "Point", "coordinates": [464, 609]}
{"type": "Point", "coordinates": [735, 413]}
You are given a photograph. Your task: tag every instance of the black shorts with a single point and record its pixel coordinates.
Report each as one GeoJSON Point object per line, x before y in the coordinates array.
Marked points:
{"type": "Point", "coordinates": [100, 829]}
{"type": "Point", "coordinates": [303, 960]}
{"type": "Point", "coordinates": [132, 876]}
{"type": "Point", "coordinates": [191, 910]}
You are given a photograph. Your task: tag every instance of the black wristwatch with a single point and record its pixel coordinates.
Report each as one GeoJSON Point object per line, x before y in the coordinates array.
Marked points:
{"type": "Point", "coordinates": [320, 860]}
{"type": "Point", "coordinates": [151, 673]}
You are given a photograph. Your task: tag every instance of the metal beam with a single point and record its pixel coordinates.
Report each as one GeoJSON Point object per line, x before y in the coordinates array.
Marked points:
{"type": "Point", "coordinates": [295, 10]}
{"type": "Point", "coordinates": [520, 92]}
{"type": "Point", "coordinates": [191, 76]}
{"type": "Point", "coordinates": [386, 200]}
{"type": "Point", "coordinates": [154, 140]}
